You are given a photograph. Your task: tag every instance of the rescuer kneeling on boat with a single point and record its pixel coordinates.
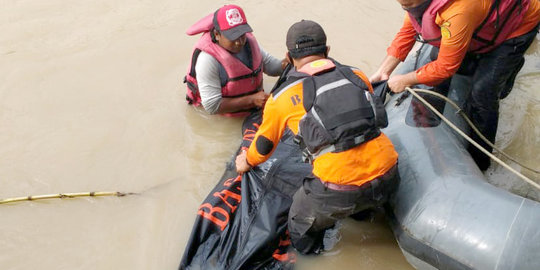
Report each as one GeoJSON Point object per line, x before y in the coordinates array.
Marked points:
{"type": "Point", "coordinates": [227, 65]}
{"type": "Point", "coordinates": [485, 39]}
{"type": "Point", "coordinates": [337, 120]}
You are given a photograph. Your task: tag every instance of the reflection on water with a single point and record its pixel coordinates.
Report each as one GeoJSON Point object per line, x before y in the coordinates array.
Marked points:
{"type": "Point", "coordinates": [91, 100]}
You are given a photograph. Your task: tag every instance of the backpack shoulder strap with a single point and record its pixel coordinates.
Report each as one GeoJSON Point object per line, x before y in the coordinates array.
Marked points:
{"type": "Point", "coordinates": [309, 93]}
{"type": "Point", "coordinates": [288, 78]}
{"type": "Point", "coordinates": [352, 77]}
{"type": "Point", "coordinates": [282, 78]}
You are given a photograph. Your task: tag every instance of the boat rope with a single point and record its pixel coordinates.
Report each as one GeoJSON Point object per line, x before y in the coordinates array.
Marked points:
{"type": "Point", "coordinates": [66, 195]}
{"type": "Point", "coordinates": [460, 132]}
{"type": "Point", "coordinates": [474, 128]}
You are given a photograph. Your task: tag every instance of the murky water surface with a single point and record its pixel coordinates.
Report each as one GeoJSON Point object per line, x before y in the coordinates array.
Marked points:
{"type": "Point", "coordinates": [91, 100]}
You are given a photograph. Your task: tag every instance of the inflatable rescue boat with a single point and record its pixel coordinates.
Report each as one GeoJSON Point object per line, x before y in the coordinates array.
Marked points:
{"type": "Point", "coordinates": [444, 214]}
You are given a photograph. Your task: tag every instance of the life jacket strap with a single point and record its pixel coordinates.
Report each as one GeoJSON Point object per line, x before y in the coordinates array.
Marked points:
{"type": "Point", "coordinates": [355, 141]}
{"type": "Point", "coordinates": [494, 8]}
{"type": "Point", "coordinates": [243, 94]}
{"type": "Point", "coordinates": [194, 90]}
{"type": "Point", "coordinates": [309, 157]}
{"type": "Point", "coordinates": [282, 77]}
{"type": "Point", "coordinates": [194, 58]}
{"type": "Point", "coordinates": [421, 39]}
{"type": "Point", "coordinates": [255, 73]}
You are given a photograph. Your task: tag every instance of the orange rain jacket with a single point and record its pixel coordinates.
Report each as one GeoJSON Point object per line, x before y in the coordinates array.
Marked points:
{"type": "Point", "coordinates": [460, 19]}
{"type": "Point", "coordinates": [355, 166]}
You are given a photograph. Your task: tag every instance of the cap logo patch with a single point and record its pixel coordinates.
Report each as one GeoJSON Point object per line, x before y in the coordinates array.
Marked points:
{"type": "Point", "coordinates": [233, 17]}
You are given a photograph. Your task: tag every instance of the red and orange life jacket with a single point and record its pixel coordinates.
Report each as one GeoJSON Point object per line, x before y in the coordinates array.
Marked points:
{"type": "Point", "coordinates": [504, 17]}
{"type": "Point", "coordinates": [241, 79]}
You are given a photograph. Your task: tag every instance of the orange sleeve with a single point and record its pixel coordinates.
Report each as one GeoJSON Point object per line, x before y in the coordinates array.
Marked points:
{"type": "Point", "coordinates": [458, 23]}
{"type": "Point", "coordinates": [403, 41]}
{"type": "Point", "coordinates": [281, 112]}
{"type": "Point", "coordinates": [530, 20]}
{"type": "Point", "coordinates": [268, 134]}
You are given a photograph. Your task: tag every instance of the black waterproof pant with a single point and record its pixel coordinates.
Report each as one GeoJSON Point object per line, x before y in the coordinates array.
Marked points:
{"type": "Point", "coordinates": [316, 207]}
{"type": "Point", "coordinates": [493, 75]}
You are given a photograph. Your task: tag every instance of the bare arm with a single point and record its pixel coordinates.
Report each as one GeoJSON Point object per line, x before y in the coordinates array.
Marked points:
{"type": "Point", "coordinates": [398, 50]}
{"type": "Point", "coordinates": [397, 83]}
{"type": "Point", "coordinates": [387, 66]}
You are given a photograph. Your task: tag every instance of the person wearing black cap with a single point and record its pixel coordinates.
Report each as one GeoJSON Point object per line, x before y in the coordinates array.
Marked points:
{"type": "Point", "coordinates": [225, 75]}
{"type": "Point", "coordinates": [336, 119]}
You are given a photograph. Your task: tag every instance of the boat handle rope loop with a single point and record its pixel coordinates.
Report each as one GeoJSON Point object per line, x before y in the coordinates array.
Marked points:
{"type": "Point", "coordinates": [66, 195]}
{"type": "Point", "coordinates": [460, 132]}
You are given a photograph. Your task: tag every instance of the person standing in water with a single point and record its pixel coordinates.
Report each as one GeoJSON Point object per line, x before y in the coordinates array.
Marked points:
{"type": "Point", "coordinates": [485, 39]}
{"type": "Point", "coordinates": [329, 107]}
{"type": "Point", "coordinates": [227, 64]}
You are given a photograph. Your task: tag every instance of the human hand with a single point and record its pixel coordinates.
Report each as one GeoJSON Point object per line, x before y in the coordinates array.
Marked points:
{"type": "Point", "coordinates": [378, 76]}
{"type": "Point", "coordinates": [241, 163]}
{"type": "Point", "coordinates": [397, 83]}
{"type": "Point", "coordinates": [259, 99]}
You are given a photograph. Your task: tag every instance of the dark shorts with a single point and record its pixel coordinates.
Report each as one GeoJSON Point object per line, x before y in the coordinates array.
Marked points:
{"type": "Point", "coordinates": [317, 207]}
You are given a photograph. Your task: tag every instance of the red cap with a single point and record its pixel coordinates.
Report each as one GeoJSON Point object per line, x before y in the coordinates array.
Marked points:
{"type": "Point", "coordinates": [231, 21]}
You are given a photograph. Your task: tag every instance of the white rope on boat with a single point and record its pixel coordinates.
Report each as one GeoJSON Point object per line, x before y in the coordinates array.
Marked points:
{"type": "Point", "coordinates": [460, 132]}
{"type": "Point", "coordinates": [470, 123]}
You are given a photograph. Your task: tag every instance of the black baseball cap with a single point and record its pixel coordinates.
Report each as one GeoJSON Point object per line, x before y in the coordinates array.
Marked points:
{"type": "Point", "coordinates": [305, 38]}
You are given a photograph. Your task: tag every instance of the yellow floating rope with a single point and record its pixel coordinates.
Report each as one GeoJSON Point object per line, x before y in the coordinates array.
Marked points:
{"type": "Point", "coordinates": [66, 195]}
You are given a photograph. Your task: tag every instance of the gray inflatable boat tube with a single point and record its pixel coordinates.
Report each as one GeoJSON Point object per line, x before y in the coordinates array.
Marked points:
{"type": "Point", "coordinates": [445, 215]}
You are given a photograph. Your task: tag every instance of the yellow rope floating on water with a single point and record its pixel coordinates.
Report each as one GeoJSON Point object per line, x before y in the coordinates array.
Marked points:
{"type": "Point", "coordinates": [66, 195]}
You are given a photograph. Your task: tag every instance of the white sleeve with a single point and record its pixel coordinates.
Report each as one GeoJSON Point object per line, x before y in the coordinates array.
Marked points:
{"type": "Point", "coordinates": [271, 65]}
{"type": "Point", "coordinates": [207, 72]}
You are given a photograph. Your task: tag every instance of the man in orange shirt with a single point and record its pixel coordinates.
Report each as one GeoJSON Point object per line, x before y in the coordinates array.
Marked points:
{"type": "Point", "coordinates": [329, 107]}
{"type": "Point", "coordinates": [485, 39]}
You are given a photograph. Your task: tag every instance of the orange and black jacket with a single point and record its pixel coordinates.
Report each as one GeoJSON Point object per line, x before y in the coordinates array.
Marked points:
{"type": "Point", "coordinates": [284, 109]}
{"type": "Point", "coordinates": [458, 21]}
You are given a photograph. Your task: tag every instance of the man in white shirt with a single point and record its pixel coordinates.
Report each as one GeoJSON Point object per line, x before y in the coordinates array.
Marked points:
{"type": "Point", "coordinates": [225, 75]}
